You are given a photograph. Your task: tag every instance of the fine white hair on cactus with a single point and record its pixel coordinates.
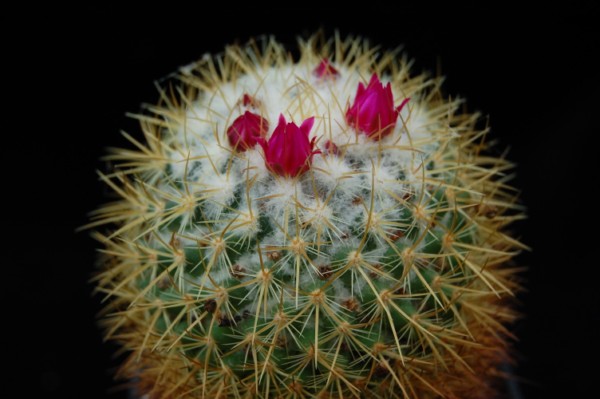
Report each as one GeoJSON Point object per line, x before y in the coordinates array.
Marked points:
{"type": "Point", "coordinates": [328, 226]}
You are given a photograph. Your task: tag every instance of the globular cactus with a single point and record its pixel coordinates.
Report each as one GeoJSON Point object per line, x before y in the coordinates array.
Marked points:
{"type": "Point", "coordinates": [329, 226]}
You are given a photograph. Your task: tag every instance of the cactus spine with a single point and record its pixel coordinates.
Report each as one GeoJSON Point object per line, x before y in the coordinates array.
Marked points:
{"type": "Point", "coordinates": [376, 266]}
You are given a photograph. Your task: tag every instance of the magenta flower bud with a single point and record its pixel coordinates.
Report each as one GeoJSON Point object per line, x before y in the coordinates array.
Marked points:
{"type": "Point", "coordinates": [289, 151]}
{"type": "Point", "coordinates": [246, 130]}
{"type": "Point", "coordinates": [331, 148]}
{"type": "Point", "coordinates": [373, 112]}
{"type": "Point", "coordinates": [249, 101]}
{"type": "Point", "coordinates": [325, 70]}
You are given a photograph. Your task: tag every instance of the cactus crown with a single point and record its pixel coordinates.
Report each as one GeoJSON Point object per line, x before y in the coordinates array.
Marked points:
{"type": "Point", "coordinates": [299, 228]}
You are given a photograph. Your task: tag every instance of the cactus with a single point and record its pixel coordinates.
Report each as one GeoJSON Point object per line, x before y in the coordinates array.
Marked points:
{"type": "Point", "coordinates": [329, 226]}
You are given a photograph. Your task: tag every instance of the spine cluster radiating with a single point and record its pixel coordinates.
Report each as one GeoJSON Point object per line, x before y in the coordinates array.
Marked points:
{"type": "Point", "coordinates": [327, 226]}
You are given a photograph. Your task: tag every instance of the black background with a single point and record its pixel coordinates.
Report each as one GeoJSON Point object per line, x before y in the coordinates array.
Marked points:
{"type": "Point", "coordinates": [78, 71]}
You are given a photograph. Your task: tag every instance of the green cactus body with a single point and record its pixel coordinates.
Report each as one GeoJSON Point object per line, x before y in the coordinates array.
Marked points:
{"type": "Point", "coordinates": [378, 270]}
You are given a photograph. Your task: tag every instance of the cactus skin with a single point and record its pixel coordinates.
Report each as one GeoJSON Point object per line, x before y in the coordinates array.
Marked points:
{"type": "Point", "coordinates": [382, 271]}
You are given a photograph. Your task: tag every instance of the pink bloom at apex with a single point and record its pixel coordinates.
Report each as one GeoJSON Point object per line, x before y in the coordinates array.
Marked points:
{"type": "Point", "coordinates": [289, 151]}
{"type": "Point", "coordinates": [373, 112]}
{"type": "Point", "coordinates": [246, 130]}
{"type": "Point", "coordinates": [325, 70]}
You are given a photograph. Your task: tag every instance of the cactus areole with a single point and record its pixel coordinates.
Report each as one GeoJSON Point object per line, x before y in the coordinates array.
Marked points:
{"type": "Point", "coordinates": [290, 228]}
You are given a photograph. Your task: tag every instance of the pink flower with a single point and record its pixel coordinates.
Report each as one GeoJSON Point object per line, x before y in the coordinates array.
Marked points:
{"type": "Point", "coordinates": [373, 112]}
{"type": "Point", "coordinates": [246, 130]}
{"type": "Point", "coordinates": [289, 152]}
{"type": "Point", "coordinates": [325, 70]}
